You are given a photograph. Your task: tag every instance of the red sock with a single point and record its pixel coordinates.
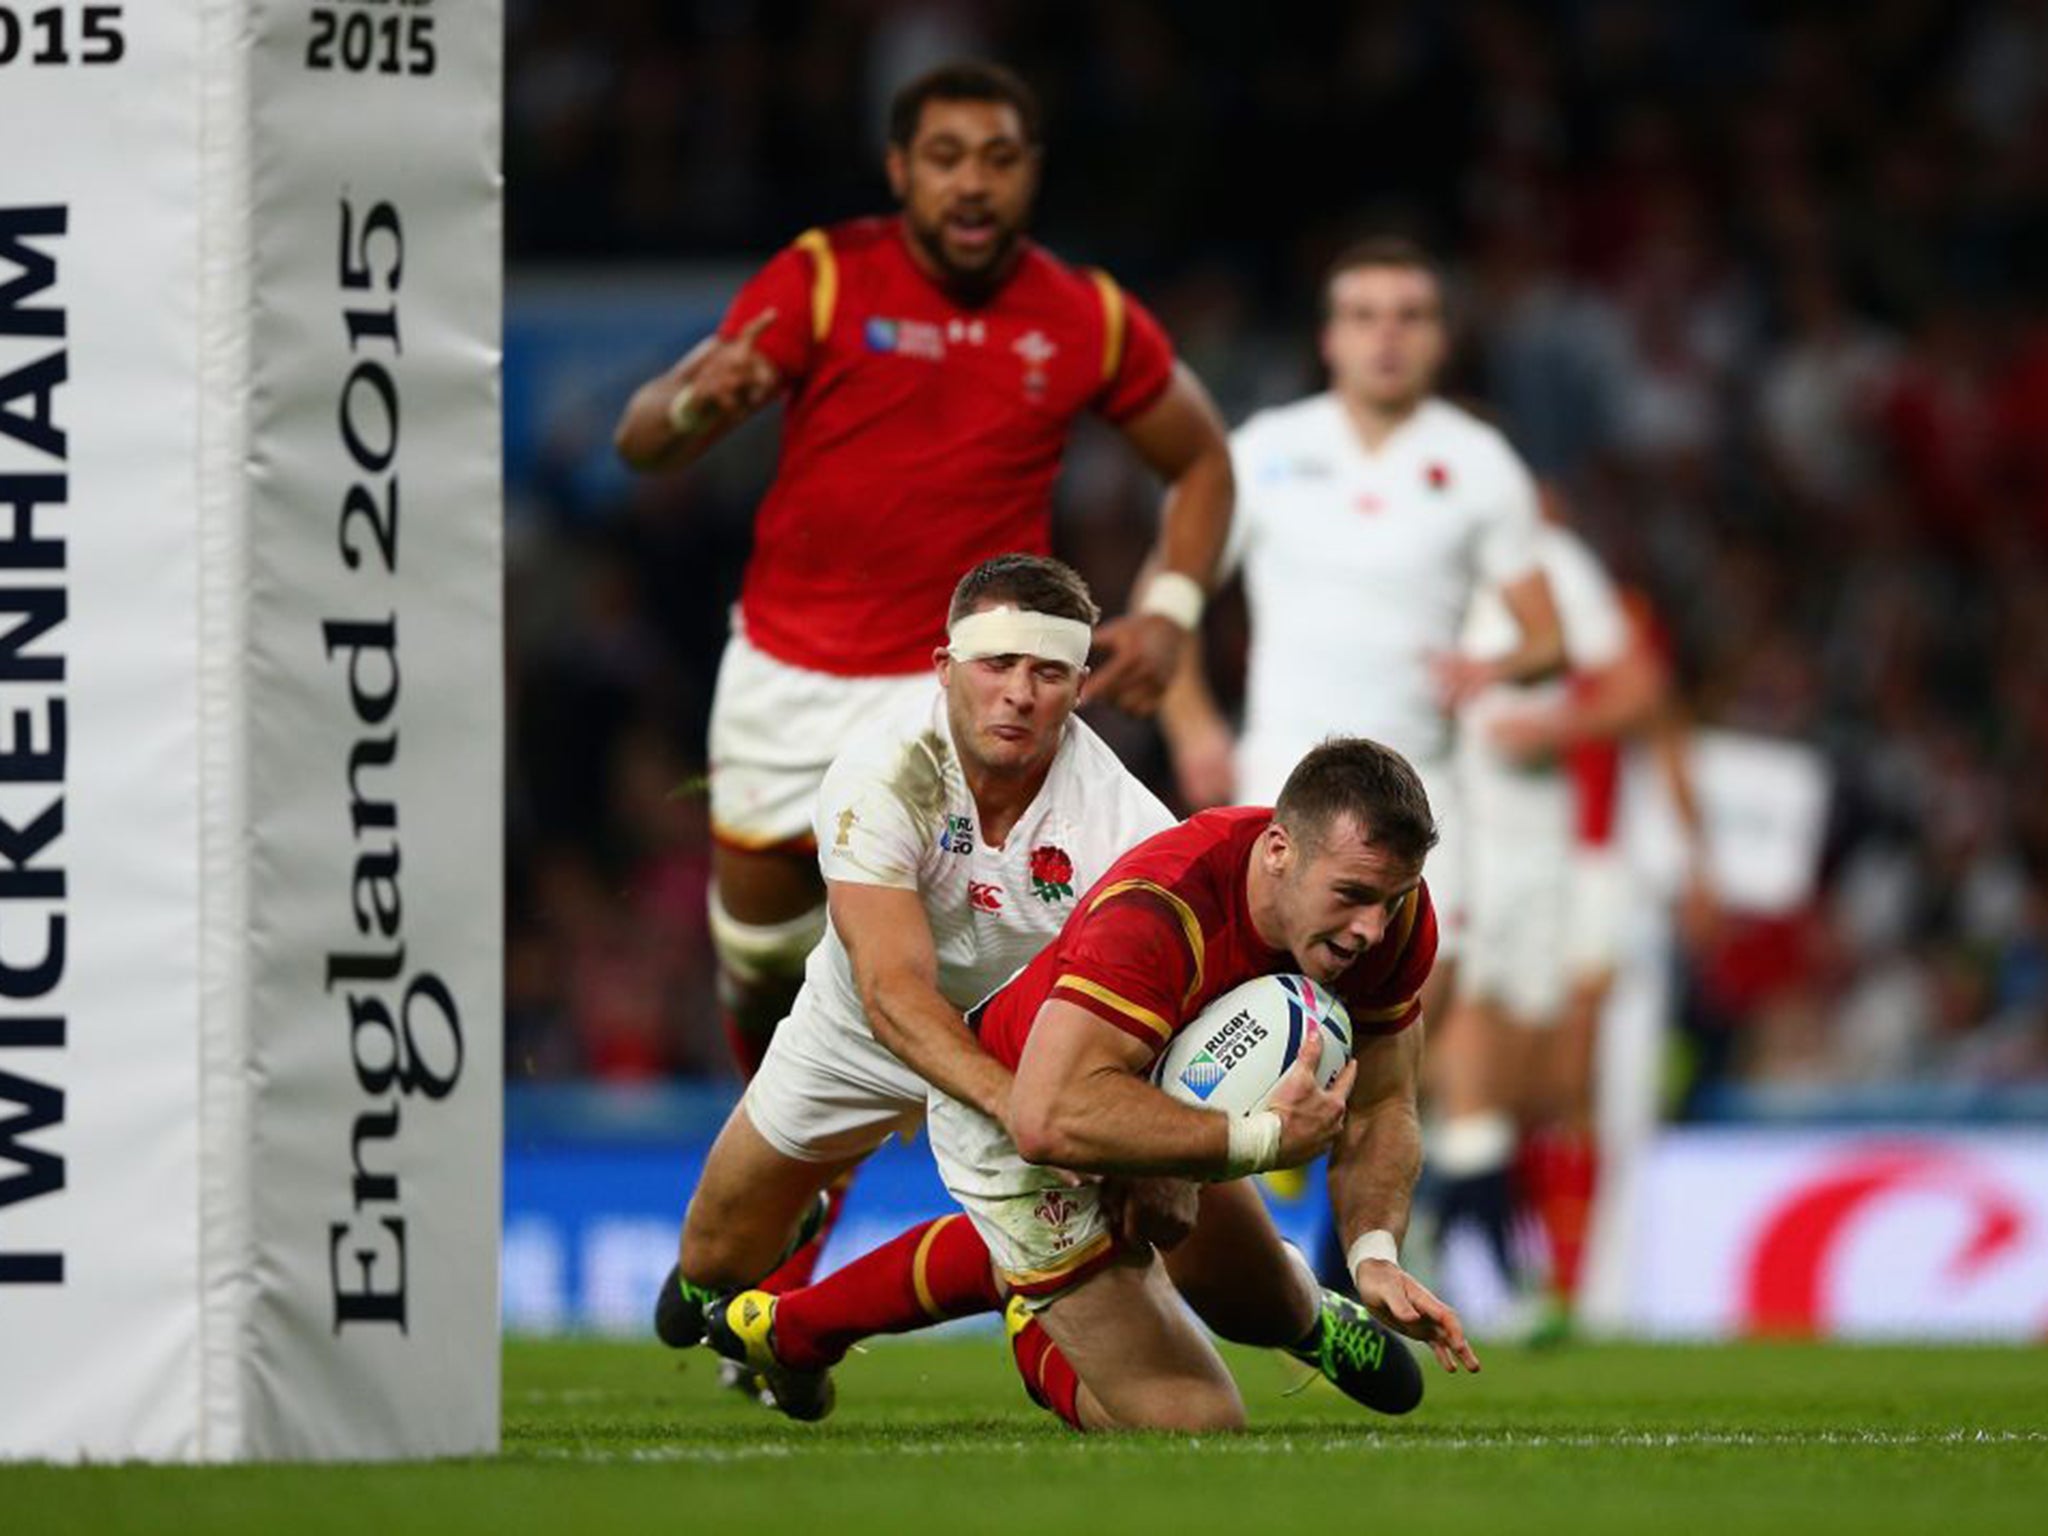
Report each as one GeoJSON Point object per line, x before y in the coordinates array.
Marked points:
{"type": "Point", "coordinates": [1048, 1378]}
{"type": "Point", "coordinates": [795, 1272]}
{"type": "Point", "coordinates": [933, 1272]}
{"type": "Point", "coordinates": [1564, 1200]}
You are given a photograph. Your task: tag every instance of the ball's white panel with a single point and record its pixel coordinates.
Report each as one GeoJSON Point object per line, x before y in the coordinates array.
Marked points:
{"type": "Point", "coordinates": [1233, 1053]}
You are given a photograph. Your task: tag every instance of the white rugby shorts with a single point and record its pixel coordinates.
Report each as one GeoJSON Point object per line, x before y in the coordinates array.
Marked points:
{"type": "Point", "coordinates": [1042, 1235]}
{"type": "Point", "coordinates": [827, 1092]}
{"type": "Point", "coordinates": [1599, 910]}
{"type": "Point", "coordinates": [1520, 916]}
{"type": "Point", "coordinates": [775, 729]}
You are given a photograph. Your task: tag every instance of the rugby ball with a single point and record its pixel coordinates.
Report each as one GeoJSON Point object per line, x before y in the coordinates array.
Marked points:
{"type": "Point", "coordinates": [1232, 1054]}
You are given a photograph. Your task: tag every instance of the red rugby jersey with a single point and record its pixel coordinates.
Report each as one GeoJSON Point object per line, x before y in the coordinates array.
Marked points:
{"type": "Point", "coordinates": [919, 436]}
{"type": "Point", "coordinates": [1168, 929]}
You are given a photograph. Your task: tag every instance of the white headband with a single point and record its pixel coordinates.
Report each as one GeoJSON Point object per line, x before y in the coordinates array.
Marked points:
{"type": "Point", "coordinates": [1019, 632]}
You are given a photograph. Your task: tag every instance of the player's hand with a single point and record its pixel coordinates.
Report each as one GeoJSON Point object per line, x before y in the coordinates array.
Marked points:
{"type": "Point", "coordinates": [1310, 1117]}
{"type": "Point", "coordinates": [1204, 764]}
{"type": "Point", "coordinates": [1160, 1212]}
{"type": "Point", "coordinates": [1133, 661]}
{"type": "Point", "coordinates": [1526, 736]}
{"type": "Point", "coordinates": [729, 378]}
{"type": "Point", "coordinates": [1409, 1307]}
{"type": "Point", "coordinates": [1459, 677]}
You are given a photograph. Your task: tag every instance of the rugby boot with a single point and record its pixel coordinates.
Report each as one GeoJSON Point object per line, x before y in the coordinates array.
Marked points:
{"type": "Point", "coordinates": [742, 1329]}
{"type": "Point", "coordinates": [679, 1308]}
{"type": "Point", "coordinates": [1361, 1358]}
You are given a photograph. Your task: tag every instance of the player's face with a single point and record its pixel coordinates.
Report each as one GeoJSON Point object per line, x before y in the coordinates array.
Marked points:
{"type": "Point", "coordinates": [1339, 899]}
{"type": "Point", "coordinates": [966, 182]}
{"type": "Point", "coordinates": [1384, 341]}
{"type": "Point", "coordinates": [1008, 711]}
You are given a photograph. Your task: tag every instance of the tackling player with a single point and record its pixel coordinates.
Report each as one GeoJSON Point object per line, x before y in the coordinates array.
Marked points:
{"type": "Point", "coordinates": [954, 834]}
{"type": "Point", "coordinates": [1328, 882]}
{"type": "Point", "coordinates": [931, 366]}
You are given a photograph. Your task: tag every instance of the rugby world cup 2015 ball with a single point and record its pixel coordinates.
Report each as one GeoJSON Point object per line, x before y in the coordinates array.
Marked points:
{"type": "Point", "coordinates": [1233, 1053]}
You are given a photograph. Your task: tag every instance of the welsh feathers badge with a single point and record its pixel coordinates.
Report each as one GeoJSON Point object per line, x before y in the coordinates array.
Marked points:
{"type": "Point", "coordinates": [1052, 874]}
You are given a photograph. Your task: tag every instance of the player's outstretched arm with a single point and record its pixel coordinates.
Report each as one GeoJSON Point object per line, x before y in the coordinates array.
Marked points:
{"type": "Point", "coordinates": [1373, 1169]}
{"type": "Point", "coordinates": [678, 414]}
{"type": "Point", "coordinates": [889, 939]}
{"type": "Point", "coordinates": [1080, 1102]}
{"type": "Point", "coordinates": [1180, 435]}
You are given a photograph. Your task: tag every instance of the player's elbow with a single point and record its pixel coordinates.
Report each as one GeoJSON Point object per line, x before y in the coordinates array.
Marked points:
{"type": "Point", "coordinates": [1039, 1129]}
{"type": "Point", "coordinates": [633, 445]}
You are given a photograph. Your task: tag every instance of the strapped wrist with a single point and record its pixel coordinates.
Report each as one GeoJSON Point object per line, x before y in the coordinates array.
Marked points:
{"type": "Point", "coordinates": [1254, 1143]}
{"type": "Point", "coordinates": [1173, 595]}
{"type": "Point", "coordinates": [1379, 1243]}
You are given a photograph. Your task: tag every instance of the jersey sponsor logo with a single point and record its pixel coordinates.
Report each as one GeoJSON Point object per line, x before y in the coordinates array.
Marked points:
{"type": "Point", "coordinates": [984, 897]}
{"type": "Point", "coordinates": [905, 338]}
{"type": "Point", "coordinates": [1052, 874]}
{"type": "Point", "coordinates": [1279, 471]}
{"type": "Point", "coordinates": [957, 835]}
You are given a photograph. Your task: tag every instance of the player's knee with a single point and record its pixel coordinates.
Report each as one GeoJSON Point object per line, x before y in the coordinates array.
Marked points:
{"type": "Point", "coordinates": [756, 955]}
{"type": "Point", "coordinates": [725, 1245]}
{"type": "Point", "coordinates": [1202, 1411]}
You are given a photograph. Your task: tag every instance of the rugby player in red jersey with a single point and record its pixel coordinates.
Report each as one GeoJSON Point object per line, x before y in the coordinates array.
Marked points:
{"type": "Point", "coordinates": [931, 366]}
{"type": "Point", "coordinates": [1328, 883]}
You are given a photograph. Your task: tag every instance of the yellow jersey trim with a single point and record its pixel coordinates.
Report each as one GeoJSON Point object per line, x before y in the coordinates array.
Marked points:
{"type": "Point", "coordinates": [1115, 323]}
{"type": "Point", "coordinates": [1190, 925]}
{"type": "Point", "coordinates": [1123, 1005]}
{"type": "Point", "coordinates": [824, 280]}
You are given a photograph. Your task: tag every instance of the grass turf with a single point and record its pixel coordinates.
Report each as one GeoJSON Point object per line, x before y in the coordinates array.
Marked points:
{"type": "Point", "coordinates": [937, 1438]}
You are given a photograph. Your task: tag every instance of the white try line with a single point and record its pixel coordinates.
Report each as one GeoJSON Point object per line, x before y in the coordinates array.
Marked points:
{"type": "Point", "coordinates": [1288, 1445]}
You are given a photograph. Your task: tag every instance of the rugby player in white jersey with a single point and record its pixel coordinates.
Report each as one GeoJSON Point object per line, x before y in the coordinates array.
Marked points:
{"type": "Point", "coordinates": [953, 835]}
{"type": "Point", "coordinates": [1540, 771]}
{"type": "Point", "coordinates": [1521, 822]}
{"type": "Point", "coordinates": [1368, 518]}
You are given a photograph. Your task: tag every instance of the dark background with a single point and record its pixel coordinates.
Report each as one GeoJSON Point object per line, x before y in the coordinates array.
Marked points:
{"type": "Point", "coordinates": [1762, 288]}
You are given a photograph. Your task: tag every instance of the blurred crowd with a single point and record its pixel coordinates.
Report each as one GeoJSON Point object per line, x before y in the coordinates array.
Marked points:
{"type": "Point", "coordinates": [1761, 288]}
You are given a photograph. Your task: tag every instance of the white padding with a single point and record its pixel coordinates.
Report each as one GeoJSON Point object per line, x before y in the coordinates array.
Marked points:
{"type": "Point", "coordinates": [757, 952]}
{"type": "Point", "coordinates": [1019, 632]}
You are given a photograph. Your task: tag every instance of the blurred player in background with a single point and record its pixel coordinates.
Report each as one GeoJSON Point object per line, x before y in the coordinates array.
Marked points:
{"type": "Point", "coordinates": [954, 832]}
{"type": "Point", "coordinates": [1328, 882]}
{"type": "Point", "coordinates": [931, 366]}
{"type": "Point", "coordinates": [1368, 519]}
{"type": "Point", "coordinates": [1541, 773]}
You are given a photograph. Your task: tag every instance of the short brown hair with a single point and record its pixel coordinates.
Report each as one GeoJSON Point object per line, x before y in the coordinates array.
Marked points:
{"type": "Point", "coordinates": [964, 80]}
{"type": "Point", "coordinates": [1381, 251]}
{"type": "Point", "coordinates": [1036, 583]}
{"type": "Point", "coordinates": [1372, 784]}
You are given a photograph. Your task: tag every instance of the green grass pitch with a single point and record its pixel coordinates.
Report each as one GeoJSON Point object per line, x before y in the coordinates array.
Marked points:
{"type": "Point", "coordinates": [938, 1438]}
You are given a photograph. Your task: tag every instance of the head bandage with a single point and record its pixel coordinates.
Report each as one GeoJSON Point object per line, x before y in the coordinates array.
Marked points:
{"type": "Point", "coordinates": [1019, 632]}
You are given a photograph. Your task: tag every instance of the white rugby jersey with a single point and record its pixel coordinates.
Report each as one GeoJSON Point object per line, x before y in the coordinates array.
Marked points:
{"type": "Point", "coordinates": [1358, 564]}
{"type": "Point", "coordinates": [1596, 635]}
{"type": "Point", "coordinates": [895, 810]}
